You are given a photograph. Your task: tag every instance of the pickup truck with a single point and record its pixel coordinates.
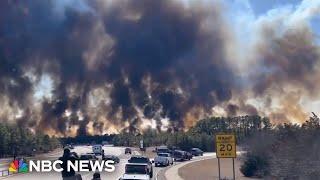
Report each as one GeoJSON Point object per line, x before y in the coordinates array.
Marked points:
{"type": "Point", "coordinates": [142, 160]}
{"type": "Point", "coordinates": [135, 171]}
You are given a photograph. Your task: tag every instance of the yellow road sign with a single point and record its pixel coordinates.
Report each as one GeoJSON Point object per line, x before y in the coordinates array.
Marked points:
{"type": "Point", "coordinates": [226, 146]}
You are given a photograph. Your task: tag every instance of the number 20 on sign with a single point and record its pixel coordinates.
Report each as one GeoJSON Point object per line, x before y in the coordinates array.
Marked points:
{"type": "Point", "coordinates": [226, 146]}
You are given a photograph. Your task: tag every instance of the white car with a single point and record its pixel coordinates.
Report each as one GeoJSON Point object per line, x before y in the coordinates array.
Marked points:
{"type": "Point", "coordinates": [163, 159]}
{"type": "Point", "coordinates": [136, 171]}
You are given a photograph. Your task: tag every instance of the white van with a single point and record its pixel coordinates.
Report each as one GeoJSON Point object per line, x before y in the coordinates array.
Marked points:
{"type": "Point", "coordinates": [97, 149]}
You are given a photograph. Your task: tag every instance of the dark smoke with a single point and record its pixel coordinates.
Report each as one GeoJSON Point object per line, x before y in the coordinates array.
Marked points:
{"type": "Point", "coordinates": [291, 59]}
{"type": "Point", "coordinates": [116, 63]}
{"type": "Point", "coordinates": [242, 108]}
{"type": "Point", "coordinates": [232, 109]}
{"type": "Point", "coordinates": [166, 43]}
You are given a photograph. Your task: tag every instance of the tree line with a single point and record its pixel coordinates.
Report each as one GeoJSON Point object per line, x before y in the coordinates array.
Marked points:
{"type": "Point", "coordinates": [286, 151]}
{"type": "Point", "coordinates": [16, 140]}
{"type": "Point", "coordinates": [87, 139]}
{"type": "Point", "coordinates": [201, 135]}
{"type": "Point", "coordinates": [19, 140]}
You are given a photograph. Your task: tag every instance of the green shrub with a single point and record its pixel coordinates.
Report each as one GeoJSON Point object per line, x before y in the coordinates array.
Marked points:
{"type": "Point", "coordinates": [254, 166]}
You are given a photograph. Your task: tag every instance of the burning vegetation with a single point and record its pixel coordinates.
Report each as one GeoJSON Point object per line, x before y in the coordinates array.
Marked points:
{"type": "Point", "coordinates": [92, 66]}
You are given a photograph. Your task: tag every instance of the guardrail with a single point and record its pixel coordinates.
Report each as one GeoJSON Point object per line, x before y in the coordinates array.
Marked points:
{"type": "Point", "coordinates": [4, 173]}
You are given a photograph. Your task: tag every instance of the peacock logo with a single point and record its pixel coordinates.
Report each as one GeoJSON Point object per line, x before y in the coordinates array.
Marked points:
{"type": "Point", "coordinates": [18, 166]}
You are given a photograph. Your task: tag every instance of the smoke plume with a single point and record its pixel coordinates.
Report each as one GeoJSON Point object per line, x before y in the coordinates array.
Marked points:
{"type": "Point", "coordinates": [94, 66]}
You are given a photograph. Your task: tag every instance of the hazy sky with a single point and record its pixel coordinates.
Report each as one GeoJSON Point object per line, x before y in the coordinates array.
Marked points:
{"type": "Point", "coordinates": [258, 8]}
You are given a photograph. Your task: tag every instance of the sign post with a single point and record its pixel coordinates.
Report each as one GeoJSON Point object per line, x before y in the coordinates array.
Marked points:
{"type": "Point", "coordinates": [142, 148]}
{"type": "Point", "coordinates": [141, 144]}
{"type": "Point", "coordinates": [234, 174]}
{"type": "Point", "coordinates": [226, 148]}
{"type": "Point", "coordinates": [219, 168]}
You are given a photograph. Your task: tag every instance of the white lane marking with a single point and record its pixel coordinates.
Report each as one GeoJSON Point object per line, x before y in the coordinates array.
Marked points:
{"type": "Point", "coordinates": [163, 169]}
{"type": "Point", "coordinates": [157, 174]}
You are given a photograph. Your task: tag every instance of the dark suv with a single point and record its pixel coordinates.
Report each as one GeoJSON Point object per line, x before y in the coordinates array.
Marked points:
{"type": "Point", "coordinates": [127, 151]}
{"type": "Point", "coordinates": [196, 152]}
{"type": "Point", "coordinates": [142, 160]}
{"type": "Point", "coordinates": [179, 155]}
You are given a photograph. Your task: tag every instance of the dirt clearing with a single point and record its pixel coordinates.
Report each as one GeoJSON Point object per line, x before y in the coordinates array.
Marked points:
{"type": "Point", "coordinates": [208, 170]}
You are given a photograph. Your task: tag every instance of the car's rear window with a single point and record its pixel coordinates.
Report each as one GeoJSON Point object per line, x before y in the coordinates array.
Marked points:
{"type": "Point", "coordinates": [163, 150]}
{"type": "Point", "coordinates": [163, 155]}
{"type": "Point", "coordinates": [136, 169]}
{"type": "Point", "coordinates": [138, 160]}
{"type": "Point", "coordinates": [178, 154]}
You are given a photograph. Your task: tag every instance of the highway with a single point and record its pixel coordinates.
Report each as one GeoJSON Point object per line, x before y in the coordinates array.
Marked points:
{"type": "Point", "coordinates": [160, 173]}
{"type": "Point", "coordinates": [118, 151]}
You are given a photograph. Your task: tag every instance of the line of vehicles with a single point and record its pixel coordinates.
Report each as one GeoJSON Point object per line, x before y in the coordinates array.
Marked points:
{"type": "Point", "coordinates": [140, 167]}
{"type": "Point", "coordinates": [93, 157]}
{"type": "Point", "coordinates": [164, 152]}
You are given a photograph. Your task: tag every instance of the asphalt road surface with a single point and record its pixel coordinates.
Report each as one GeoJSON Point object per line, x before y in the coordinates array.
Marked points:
{"type": "Point", "coordinates": [159, 173]}
{"type": "Point", "coordinates": [119, 170]}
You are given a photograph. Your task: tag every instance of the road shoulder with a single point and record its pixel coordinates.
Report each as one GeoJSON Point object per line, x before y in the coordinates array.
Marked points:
{"type": "Point", "coordinates": [172, 172]}
{"type": "Point", "coordinates": [207, 169]}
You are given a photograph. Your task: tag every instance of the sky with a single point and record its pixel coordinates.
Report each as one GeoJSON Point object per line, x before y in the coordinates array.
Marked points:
{"type": "Point", "coordinates": [253, 9]}
{"type": "Point", "coordinates": [244, 14]}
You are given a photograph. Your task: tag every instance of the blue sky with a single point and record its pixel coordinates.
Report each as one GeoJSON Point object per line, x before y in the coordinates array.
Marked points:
{"type": "Point", "coordinates": [262, 6]}
{"type": "Point", "coordinates": [249, 11]}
